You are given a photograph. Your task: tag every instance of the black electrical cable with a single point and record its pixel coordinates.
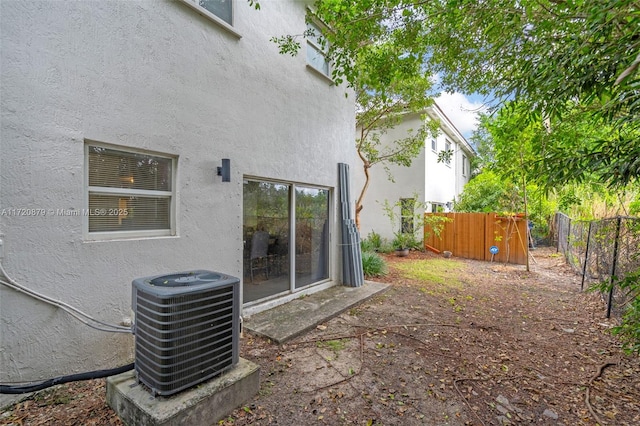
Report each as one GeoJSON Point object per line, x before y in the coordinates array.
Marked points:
{"type": "Point", "coordinates": [98, 374]}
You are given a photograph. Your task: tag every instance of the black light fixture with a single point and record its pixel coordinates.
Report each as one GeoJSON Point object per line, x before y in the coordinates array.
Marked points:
{"type": "Point", "coordinates": [225, 170]}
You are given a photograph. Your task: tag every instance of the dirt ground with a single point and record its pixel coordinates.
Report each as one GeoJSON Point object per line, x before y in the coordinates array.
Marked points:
{"type": "Point", "coordinates": [453, 342]}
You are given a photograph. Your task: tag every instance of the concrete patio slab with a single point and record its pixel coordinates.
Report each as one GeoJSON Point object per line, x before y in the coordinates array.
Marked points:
{"type": "Point", "coordinates": [291, 319]}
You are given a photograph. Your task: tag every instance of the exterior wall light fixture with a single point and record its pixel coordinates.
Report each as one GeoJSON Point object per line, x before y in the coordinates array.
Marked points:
{"type": "Point", "coordinates": [225, 170]}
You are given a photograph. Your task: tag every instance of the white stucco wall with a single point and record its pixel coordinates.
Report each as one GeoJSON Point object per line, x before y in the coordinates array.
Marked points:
{"type": "Point", "coordinates": [153, 75]}
{"type": "Point", "coordinates": [440, 178]}
{"type": "Point", "coordinates": [430, 180]}
{"type": "Point", "coordinates": [463, 174]}
{"type": "Point", "coordinates": [407, 182]}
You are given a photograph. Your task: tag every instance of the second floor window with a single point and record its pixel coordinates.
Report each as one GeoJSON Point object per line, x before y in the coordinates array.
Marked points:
{"type": "Point", "coordinates": [222, 9]}
{"type": "Point", "coordinates": [317, 49]}
{"type": "Point", "coordinates": [447, 148]}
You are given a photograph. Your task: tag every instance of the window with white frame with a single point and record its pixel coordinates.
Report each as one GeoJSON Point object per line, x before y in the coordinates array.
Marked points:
{"type": "Point", "coordinates": [130, 193]}
{"type": "Point", "coordinates": [317, 50]}
{"type": "Point", "coordinates": [447, 148]}
{"type": "Point", "coordinates": [216, 9]}
{"type": "Point", "coordinates": [407, 207]}
{"type": "Point", "coordinates": [464, 165]}
{"type": "Point", "coordinates": [434, 145]}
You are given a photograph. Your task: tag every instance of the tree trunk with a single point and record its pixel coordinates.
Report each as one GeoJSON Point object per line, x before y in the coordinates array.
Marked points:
{"type": "Point", "coordinates": [526, 209]}
{"type": "Point", "coordinates": [359, 205]}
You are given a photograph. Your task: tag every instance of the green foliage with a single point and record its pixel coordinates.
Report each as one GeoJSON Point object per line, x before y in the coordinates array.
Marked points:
{"type": "Point", "coordinates": [433, 223]}
{"type": "Point", "coordinates": [514, 149]}
{"type": "Point", "coordinates": [565, 63]}
{"type": "Point", "coordinates": [332, 345]}
{"type": "Point", "coordinates": [408, 235]}
{"type": "Point", "coordinates": [634, 206]}
{"type": "Point", "coordinates": [486, 192]}
{"type": "Point", "coordinates": [405, 240]}
{"type": "Point", "coordinates": [489, 192]}
{"type": "Point", "coordinates": [445, 156]}
{"type": "Point", "coordinates": [380, 109]}
{"type": "Point", "coordinates": [629, 329]}
{"type": "Point", "coordinates": [389, 82]}
{"type": "Point", "coordinates": [374, 243]}
{"type": "Point", "coordinates": [373, 265]}
{"type": "Point", "coordinates": [375, 239]}
{"type": "Point", "coordinates": [367, 245]}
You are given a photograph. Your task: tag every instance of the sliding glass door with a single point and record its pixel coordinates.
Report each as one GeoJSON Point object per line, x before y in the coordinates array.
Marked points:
{"type": "Point", "coordinates": [312, 235]}
{"type": "Point", "coordinates": [285, 229]}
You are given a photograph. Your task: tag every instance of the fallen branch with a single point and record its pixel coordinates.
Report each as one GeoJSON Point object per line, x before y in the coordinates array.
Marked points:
{"type": "Point", "coordinates": [329, 338]}
{"type": "Point", "coordinates": [424, 345]}
{"type": "Point", "coordinates": [455, 385]}
{"type": "Point", "coordinates": [339, 382]}
{"type": "Point", "coordinates": [545, 375]}
{"type": "Point", "coordinates": [369, 329]}
{"type": "Point", "coordinates": [600, 370]}
{"type": "Point", "coordinates": [425, 324]}
{"type": "Point", "coordinates": [587, 392]}
{"type": "Point", "coordinates": [344, 380]}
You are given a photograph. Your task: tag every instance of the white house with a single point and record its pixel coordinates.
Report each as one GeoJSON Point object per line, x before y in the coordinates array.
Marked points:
{"type": "Point", "coordinates": [437, 184]}
{"type": "Point", "coordinates": [115, 118]}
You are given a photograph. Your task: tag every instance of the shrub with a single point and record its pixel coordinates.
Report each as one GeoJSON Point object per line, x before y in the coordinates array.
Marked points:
{"type": "Point", "coordinates": [373, 265]}
{"type": "Point", "coordinates": [403, 241]}
{"type": "Point", "coordinates": [367, 246]}
{"type": "Point", "coordinates": [386, 247]}
{"type": "Point", "coordinates": [375, 243]}
{"type": "Point", "coordinates": [629, 329]}
{"type": "Point", "coordinates": [372, 243]}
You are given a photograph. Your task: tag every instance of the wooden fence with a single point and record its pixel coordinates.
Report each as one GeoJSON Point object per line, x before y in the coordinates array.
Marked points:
{"type": "Point", "coordinates": [471, 235]}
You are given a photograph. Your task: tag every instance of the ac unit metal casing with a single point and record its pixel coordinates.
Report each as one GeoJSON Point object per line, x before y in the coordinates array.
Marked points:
{"type": "Point", "coordinates": [187, 327]}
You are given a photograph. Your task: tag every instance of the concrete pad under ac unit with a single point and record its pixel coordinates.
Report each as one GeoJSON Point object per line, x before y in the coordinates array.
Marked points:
{"type": "Point", "coordinates": [204, 404]}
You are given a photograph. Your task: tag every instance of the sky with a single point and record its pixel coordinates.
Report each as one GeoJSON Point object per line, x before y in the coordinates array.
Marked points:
{"type": "Point", "coordinates": [462, 111]}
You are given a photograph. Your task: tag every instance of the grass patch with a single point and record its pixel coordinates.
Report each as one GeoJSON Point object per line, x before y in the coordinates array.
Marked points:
{"type": "Point", "coordinates": [442, 272]}
{"type": "Point", "coordinates": [266, 388]}
{"type": "Point", "coordinates": [53, 396]}
{"type": "Point", "coordinates": [333, 345]}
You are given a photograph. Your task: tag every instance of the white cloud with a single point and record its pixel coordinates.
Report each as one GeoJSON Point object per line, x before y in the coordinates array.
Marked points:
{"type": "Point", "coordinates": [462, 112]}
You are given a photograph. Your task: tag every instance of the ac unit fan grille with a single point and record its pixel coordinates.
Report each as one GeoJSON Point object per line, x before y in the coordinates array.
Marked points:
{"type": "Point", "coordinates": [185, 338]}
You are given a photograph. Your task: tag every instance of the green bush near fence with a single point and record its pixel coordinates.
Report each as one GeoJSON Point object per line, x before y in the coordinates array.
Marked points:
{"type": "Point", "coordinates": [606, 250]}
{"type": "Point", "coordinates": [629, 328]}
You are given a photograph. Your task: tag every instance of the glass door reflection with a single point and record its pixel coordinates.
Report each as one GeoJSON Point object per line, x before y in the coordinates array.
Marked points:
{"type": "Point", "coordinates": [266, 239]}
{"type": "Point", "coordinates": [274, 244]}
{"type": "Point", "coordinates": [311, 235]}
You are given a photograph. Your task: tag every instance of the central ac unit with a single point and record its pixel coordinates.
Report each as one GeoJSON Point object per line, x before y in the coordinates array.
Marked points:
{"type": "Point", "coordinates": [187, 327]}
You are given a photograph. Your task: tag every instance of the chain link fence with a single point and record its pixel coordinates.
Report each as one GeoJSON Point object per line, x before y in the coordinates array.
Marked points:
{"type": "Point", "coordinates": [602, 251]}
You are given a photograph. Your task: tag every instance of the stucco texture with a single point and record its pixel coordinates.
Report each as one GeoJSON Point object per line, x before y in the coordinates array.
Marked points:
{"type": "Point", "coordinates": [151, 75]}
